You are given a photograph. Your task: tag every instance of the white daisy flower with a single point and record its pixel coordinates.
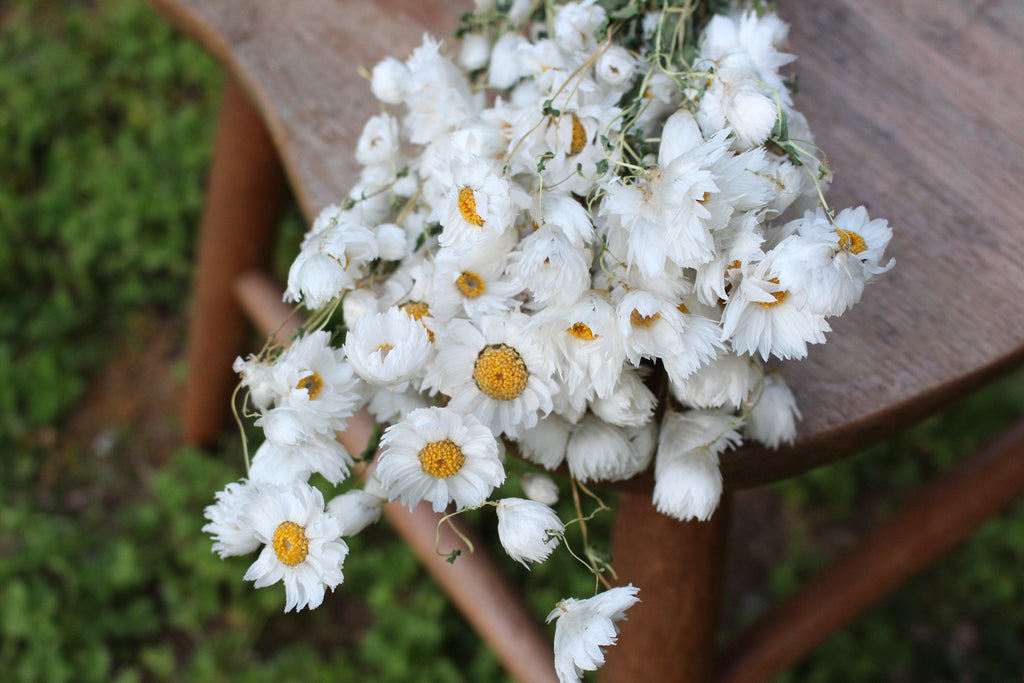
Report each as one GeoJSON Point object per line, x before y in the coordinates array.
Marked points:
{"type": "Point", "coordinates": [761, 316]}
{"type": "Point", "coordinates": [473, 285]}
{"type": "Point", "coordinates": [655, 327]}
{"type": "Point", "coordinates": [495, 370]}
{"type": "Point", "coordinates": [615, 66]}
{"type": "Point", "coordinates": [302, 544]}
{"type": "Point", "coordinates": [318, 387]}
{"type": "Point", "coordinates": [528, 530]}
{"type": "Point", "coordinates": [576, 24]}
{"type": "Point", "coordinates": [258, 378]}
{"type": "Point", "coordinates": [480, 205]}
{"type": "Point", "coordinates": [587, 344]}
{"type": "Point", "coordinates": [388, 349]}
{"type": "Point", "coordinates": [759, 37]}
{"type": "Point", "coordinates": [563, 212]}
{"type": "Point", "coordinates": [475, 51]}
{"type": "Point", "coordinates": [585, 627]}
{"type": "Point", "coordinates": [505, 67]}
{"type": "Point", "coordinates": [379, 143]}
{"type": "Point", "coordinates": [830, 261]}
{"type": "Point", "coordinates": [737, 101]}
{"type": "Point", "coordinates": [232, 534]}
{"type": "Point", "coordinates": [436, 94]}
{"type": "Point", "coordinates": [540, 487]}
{"type": "Point", "coordinates": [331, 258]}
{"type": "Point", "coordinates": [551, 268]}
{"type": "Point", "coordinates": [439, 455]}
{"type": "Point", "coordinates": [392, 241]}
{"type": "Point", "coordinates": [388, 79]}
{"type": "Point", "coordinates": [773, 413]}
{"type": "Point", "coordinates": [687, 481]}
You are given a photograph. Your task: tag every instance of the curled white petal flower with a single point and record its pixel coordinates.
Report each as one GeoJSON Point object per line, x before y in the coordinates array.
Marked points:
{"type": "Point", "coordinates": [258, 377]}
{"type": "Point", "coordinates": [392, 240]}
{"type": "Point", "coordinates": [545, 443]}
{"type": "Point", "coordinates": [552, 269]}
{"type": "Point", "coordinates": [319, 453]}
{"type": "Point", "coordinates": [540, 487]}
{"type": "Point", "coordinates": [475, 51]}
{"type": "Point", "coordinates": [576, 24]}
{"type": "Point", "coordinates": [356, 304]}
{"type": "Point", "coordinates": [355, 509]}
{"type": "Point", "coordinates": [388, 348]}
{"type": "Point", "coordinates": [773, 412]}
{"type": "Point", "coordinates": [388, 79]}
{"type": "Point", "coordinates": [379, 142]}
{"type": "Point", "coordinates": [615, 65]}
{"type": "Point", "coordinates": [585, 627]}
{"type": "Point", "coordinates": [438, 455]}
{"type": "Point", "coordinates": [528, 530]}
{"type": "Point", "coordinates": [630, 404]}
{"type": "Point", "coordinates": [598, 451]}
{"type": "Point", "coordinates": [232, 534]}
{"type": "Point", "coordinates": [687, 481]}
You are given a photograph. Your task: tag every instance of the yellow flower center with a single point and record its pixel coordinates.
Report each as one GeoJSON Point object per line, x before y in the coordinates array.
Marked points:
{"type": "Point", "coordinates": [467, 207]}
{"type": "Point", "coordinates": [290, 543]}
{"type": "Point", "coordinates": [470, 284]}
{"type": "Point", "coordinates": [682, 308]}
{"type": "Point", "coordinates": [312, 384]}
{"type": "Point", "coordinates": [579, 136]}
{"type": "Point", "coordinates": [384, 349]}
{"type": "Point", "coordinates": [417, 310]}
{"type": "Point", "coordinates": [582, 331]}
{"type": "Point", "coordinates": [640, 320]}
{"type": "Point", "coordinates": [441, 459]}
{"type": "Point", "coordinates": [851, 241]}
{"type": "Point", "coordinates": [500, 372]}
{"type": "Point", "coordinates": [780, 296]}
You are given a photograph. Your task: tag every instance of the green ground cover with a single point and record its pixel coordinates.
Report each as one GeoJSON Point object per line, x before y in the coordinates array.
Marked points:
{"type": "Point", "coordinates": [106, 120]}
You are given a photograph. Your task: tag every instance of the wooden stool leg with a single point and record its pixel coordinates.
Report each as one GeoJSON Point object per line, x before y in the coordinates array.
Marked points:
{"type": "Point", "coordinates": [932, 522]}
{"type": "Point", "coordinates": [246, 188]}
{"type": "Point", "coordinates": [672, 633]}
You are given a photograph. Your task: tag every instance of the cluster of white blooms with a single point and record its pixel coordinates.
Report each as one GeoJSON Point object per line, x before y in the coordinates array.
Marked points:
{"type": "Point", "coordinates": [579, 241]}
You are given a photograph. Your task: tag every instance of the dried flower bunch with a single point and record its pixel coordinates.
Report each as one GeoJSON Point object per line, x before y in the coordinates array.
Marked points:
{"type": "Point", "coordinates": [578, 242]}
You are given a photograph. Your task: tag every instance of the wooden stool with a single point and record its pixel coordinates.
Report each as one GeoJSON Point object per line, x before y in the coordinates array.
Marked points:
{"type": "Point", "coordinates": [919, 105]}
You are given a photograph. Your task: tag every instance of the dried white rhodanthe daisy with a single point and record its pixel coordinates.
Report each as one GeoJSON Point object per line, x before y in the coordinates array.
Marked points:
{"type": "Point", "coordinates": [302, 545]}
{"type": "Point", "coordinates": [438, 455]}
{"type": "Point", "coordinates": [584, 627]}
{"type": "Point", "coordinates": [528, 530]}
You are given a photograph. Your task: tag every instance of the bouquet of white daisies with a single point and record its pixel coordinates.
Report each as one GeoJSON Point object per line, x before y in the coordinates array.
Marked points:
{"type": "Point", "coordinates": [577, 242]}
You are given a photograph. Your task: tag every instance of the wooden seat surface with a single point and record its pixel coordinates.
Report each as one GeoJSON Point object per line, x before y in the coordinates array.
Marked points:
{"type": "Point", "coordinates": [919, 105]}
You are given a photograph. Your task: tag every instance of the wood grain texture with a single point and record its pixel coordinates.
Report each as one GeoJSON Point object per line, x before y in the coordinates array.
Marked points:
{"type": "Point", "coordinates": [919, 105]}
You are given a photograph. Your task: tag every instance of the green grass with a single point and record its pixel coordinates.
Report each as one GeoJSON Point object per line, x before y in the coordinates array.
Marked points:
{"type": "Point", "coordinates": [105, 125]}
